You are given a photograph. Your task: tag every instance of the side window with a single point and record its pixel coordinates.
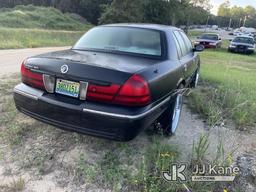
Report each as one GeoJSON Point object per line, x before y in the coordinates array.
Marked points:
{"type": "Point", "coordinates": [181, 42]}
{"type": "Point", "coordinates": [178, 46]}
{"type": "Point", "coordinates": [187, 41]}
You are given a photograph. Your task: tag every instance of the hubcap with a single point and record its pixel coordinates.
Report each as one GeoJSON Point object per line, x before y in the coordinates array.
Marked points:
{"type": "Point", "coordinates": [176, 113]}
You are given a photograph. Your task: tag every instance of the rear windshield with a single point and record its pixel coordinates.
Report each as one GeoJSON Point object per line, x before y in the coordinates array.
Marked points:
{"type": "Point", "coordinates": [209, 36]}
{"type": "Point", "coordinates": [122, 39]}
{"type": "Point", "coordinates": [244, 40]}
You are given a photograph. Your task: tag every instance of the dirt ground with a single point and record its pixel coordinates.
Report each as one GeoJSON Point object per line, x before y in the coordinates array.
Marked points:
{"type": "Point", "coordinates": [43, 158]}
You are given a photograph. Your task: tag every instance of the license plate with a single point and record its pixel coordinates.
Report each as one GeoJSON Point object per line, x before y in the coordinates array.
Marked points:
{"type": "Point", "coordinates": [69, 88]}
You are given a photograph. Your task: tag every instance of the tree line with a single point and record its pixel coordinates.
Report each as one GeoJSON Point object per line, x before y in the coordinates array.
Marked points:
{"type": "Point", "coordinates": [236, 16]}
{"type": "Point", "coordinates": [174, 12]}
{"type": "Point", "coordinates": [170, 12]}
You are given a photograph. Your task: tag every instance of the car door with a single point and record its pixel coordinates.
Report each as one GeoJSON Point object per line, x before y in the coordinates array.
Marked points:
{"type": "Point", "coordinates": [188, 57]}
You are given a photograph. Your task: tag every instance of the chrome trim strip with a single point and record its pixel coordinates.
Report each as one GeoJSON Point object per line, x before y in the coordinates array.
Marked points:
{"type": "Point", "coordinates": [25, 94]}
{"type": "Point", "coordinates": [127, 116]}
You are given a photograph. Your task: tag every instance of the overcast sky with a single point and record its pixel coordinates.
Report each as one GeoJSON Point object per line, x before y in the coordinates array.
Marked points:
{"type": "Point", "coordinates": [242, 3]}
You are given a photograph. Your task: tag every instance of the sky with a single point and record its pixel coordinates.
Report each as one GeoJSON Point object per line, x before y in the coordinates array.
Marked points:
{"type": "Point", "coordinates": [241, 3]}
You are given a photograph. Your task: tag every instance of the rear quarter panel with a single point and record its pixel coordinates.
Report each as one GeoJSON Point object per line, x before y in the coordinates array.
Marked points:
{"type": "Point", "coordinates": [165, 75]}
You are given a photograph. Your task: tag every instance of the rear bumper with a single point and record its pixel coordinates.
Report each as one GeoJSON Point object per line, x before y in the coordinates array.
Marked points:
{"type": "Point", "coordinates": [100, 120]}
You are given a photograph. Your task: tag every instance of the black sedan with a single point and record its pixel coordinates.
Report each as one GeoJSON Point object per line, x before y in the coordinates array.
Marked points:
{"type": "Point", "coordinates": [116, 80]}
{"type": "Point", "coordinates": [242, 44]}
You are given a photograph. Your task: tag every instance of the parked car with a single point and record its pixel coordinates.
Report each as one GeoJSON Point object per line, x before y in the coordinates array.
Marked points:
{"type": "Point", "coordinates": [242, 44]}
{"type": "Point", "coordinates": [115, 81]}
{"type": "Point", "coordinates": [209, 40]}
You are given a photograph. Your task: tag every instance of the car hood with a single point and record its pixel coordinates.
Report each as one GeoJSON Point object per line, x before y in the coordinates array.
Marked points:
{"type": "Point", "coordinates": [207, 40]}
{"type": "Point", "coordinates": [118, 62]}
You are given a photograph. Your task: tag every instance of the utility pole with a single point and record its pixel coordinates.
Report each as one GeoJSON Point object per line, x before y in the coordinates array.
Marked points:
{"type": "Point", "coordinates": [230, 22]}
{"type": "Point", "coordinates": [207, 21]}
{"type": "Point", "coordinates": [240, 21]}
{"type": "Point", "coordinates": [245, 19]}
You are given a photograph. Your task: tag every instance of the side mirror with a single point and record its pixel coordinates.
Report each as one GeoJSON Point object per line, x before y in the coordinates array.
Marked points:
{"type": "Point", "coordinates": [198, 48]}
{"type": "Point", "coordinates": [219, 38]}
{"type": "Point", "coordinates": [230, 40]}
{"type": "Point", "coordinates": [198, 37]}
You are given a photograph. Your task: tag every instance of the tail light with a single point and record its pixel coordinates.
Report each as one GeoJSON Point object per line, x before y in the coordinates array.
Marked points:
{"type": "Point", "coordinates": [102, 93]}
{"type": "Point", "coordinates": [31, 78]}
{"type": "Point", "coordinates": [135, 92]}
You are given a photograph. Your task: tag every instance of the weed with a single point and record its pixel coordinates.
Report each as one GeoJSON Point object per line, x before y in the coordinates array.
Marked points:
{"type": "Point", "coordinates": [157, 158]}
{"type": "Point", "coordinates": [15, 186]}
{"type": "Point", "coordinates": [200, 149]}
{"type": "Point", "coordinates": [85, 170]}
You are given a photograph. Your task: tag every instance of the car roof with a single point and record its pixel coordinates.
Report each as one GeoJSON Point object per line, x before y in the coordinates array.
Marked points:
{"type": "Point", "coordinates": [145, 26]}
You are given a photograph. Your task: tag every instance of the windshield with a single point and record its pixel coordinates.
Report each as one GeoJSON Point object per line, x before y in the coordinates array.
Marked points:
{"type": "Point", "coordinates": [122, 39]}
{"type": "Point", "coordinates": [244, 40]}
{"type": "Point", "coordinates": [209, 36]}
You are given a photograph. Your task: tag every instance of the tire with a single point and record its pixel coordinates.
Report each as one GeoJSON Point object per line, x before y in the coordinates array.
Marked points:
{"type": "Point", "coordinates": [195, 79]}
{"type": "Point", "coordinates": [168, 122]}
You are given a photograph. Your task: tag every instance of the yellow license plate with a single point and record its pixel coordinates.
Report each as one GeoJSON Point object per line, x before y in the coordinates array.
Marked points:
{"type": "Point", "coordinates": [69, 88]}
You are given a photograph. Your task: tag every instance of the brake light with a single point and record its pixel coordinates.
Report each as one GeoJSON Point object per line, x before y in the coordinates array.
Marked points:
{"type": "Point", "coordinates": [31, 78]}
{"type": "Point", "coordinates": [101, 92]}
{"type": "Point", "coordinates": [135, 92]}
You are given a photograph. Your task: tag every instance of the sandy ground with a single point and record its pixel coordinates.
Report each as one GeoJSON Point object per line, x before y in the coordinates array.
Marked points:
{"type": "Point", "coordinates": [59, 178]}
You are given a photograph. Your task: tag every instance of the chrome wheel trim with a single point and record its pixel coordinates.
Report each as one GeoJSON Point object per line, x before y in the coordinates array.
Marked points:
{"type": "Point", "coordinates": [176, 112]}
{"type": "Point", "coordinates": [197, 79]}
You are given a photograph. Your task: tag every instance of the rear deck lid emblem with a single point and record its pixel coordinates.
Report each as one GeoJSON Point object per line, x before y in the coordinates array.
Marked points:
{"type": "Point", "coordinates": [64, 69]}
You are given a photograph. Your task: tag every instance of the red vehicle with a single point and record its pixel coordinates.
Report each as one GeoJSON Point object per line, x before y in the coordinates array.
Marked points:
{"type": "Point", "coordinates": [209, 40]}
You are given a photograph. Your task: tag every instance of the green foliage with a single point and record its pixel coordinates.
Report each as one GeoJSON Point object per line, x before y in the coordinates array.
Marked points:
{"type": "Point", "coordinates": [154, 11]}
{"type": "Point", "coordinates": [231, 78]}
{"type": "Point", "coordinates": [39, 17]}
{"type": "Point", "coordinates": [122, 11]}
{"type": "Point", "coordinates": [89, 9]}
{"type": "Point", "coordinates": [13, 38]}
{"type": "Point", "coordinates": [200, 149]}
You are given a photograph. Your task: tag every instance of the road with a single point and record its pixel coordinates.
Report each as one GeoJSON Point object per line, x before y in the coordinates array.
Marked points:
{"type": "Point", "coordinates": [10, 60]}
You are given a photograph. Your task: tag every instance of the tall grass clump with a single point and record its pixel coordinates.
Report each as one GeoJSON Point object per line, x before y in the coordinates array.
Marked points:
{"type": "Point", "coordinates": [40, 17]}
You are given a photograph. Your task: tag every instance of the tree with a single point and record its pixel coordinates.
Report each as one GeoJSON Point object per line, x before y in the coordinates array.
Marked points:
{"type": "Point", "coordinates": [122, 11]}
{"type": "Point", "coordinates": [224, 9]}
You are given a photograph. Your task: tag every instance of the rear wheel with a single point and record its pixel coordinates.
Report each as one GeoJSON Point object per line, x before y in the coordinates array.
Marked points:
{"type": "Point", "coordinates": [168, 122]}
{"type": "Point", "coordinates": [195, 80]}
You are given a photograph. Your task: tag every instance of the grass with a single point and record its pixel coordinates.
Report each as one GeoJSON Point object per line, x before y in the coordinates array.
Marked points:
{"type": "Point", "coordinates": [13, 38]}
{"type": "Point", "coordinates": [227, 88]}
{"type": "Point", "coordinates": [31, 26]}
{"type": "Point", "coordinates": [40, 17]}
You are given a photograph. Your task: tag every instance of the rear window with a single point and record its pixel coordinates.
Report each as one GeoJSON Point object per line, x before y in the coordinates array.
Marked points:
{"type": "Point", "coordinates": [122, 39]}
